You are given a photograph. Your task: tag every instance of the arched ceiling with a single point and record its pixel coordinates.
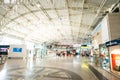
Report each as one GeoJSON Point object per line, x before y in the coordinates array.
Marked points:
{"type": "Point", "coordinates": [67, 21]}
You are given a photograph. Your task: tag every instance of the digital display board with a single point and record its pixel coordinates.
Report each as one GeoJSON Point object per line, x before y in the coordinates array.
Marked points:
{"type": "Point", "coordinates": [3, 51]}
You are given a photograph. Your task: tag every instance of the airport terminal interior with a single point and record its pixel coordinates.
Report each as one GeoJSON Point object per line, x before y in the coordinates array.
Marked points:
{"type": "Point", "coordinates": [59, 39]}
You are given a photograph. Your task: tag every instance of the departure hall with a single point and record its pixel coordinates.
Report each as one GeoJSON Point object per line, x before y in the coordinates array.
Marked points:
{"type": "Point", "coordinates": [59, 39]}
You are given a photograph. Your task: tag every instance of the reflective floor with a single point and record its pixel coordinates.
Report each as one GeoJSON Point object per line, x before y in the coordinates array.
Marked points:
{"type": "Point", "coordinates": [49, 68]}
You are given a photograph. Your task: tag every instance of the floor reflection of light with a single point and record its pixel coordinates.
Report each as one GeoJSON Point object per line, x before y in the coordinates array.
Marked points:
{"type": "Point", "coordinates": [75, 62]}
{"type": "Point", "coordinates": [83, 65]}
{"type": "Point", "coordinates": [30, 64]}
{"type": "Point", "coordinates": [3, 74]}
{"type": "Point", "coordinates": [78, 56]}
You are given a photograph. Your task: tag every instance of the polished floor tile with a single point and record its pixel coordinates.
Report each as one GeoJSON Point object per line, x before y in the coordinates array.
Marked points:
{"type": "Point", "coordinates": [49, 68]}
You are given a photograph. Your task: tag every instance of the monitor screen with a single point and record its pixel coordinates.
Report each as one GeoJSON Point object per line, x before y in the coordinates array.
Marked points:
{"type": "Point", "coordinates": [17, 49]}
{"type": "Point", "coordinates": [3, 49]}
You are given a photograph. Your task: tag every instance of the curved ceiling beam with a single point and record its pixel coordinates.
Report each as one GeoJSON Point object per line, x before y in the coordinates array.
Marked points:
{"type": "Point", "coordinates": [98, 12]}
{"type": "Point", "coordinates": [33, 11]}
{"type": "Point", "coordinates": [4, 15]}
{"type": "Point", "coordinates": [84, 1]}
{"type": "Point", "coordinates": [22, 15]}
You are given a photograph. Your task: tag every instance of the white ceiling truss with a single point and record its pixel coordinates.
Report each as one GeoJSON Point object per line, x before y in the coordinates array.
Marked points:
{"type": "Point", "coordinates": [51, 20]}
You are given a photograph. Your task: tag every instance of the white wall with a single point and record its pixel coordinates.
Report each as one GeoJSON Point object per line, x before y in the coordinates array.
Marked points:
{"type": "Point", "coordinates": [105, 28]}
{"type": "Point", "coordinates": [17, 54]}
{"type": "Point", "coordinates": [114, 24]}
{"type": "Point", "coordinates": [6, 40]}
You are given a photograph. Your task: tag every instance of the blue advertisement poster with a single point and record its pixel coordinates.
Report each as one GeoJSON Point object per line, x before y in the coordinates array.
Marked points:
{"type": "Point", "coordinates": [19, 50]}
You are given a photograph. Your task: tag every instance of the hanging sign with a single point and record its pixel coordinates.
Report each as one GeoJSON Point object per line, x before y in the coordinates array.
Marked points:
{"type": "Point", "coordinates": [113, 42]}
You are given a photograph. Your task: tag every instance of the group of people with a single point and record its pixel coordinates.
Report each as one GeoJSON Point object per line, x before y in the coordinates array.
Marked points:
{"type": "Point", "coordinates": [66, 53]}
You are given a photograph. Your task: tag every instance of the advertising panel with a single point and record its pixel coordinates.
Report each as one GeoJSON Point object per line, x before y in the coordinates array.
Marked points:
{"type": "Point", "coordinates": [18, 50]}
{"type": "Point", "coordinates": [115, 62]}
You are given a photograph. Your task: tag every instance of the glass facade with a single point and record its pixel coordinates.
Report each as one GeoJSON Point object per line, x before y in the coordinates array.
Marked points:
{"type": "Point", "coordinates": [104, 57]}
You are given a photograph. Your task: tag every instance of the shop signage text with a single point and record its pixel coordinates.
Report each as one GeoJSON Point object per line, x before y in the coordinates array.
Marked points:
{"type": "Point", "coordinates": [113, 42]}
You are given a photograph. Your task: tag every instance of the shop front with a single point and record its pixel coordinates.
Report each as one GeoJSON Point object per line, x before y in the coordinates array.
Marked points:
{"type": "Point", "coordinates": [104, 57]}
{"type": "Point", "coordinates": [114, 53]}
